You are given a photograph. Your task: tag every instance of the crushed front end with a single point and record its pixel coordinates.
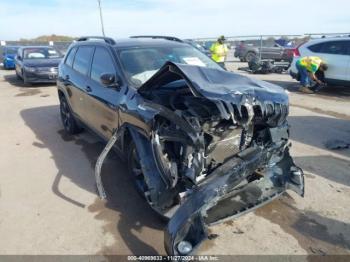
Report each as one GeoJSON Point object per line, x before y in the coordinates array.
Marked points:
{"type": "Point", "coordinates": [219, 143]}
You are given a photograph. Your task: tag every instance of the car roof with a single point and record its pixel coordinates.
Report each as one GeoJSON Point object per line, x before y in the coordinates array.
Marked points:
{"type": "Point", "coordinates": [327, 39]}
{"type": "Point", "coordinates": [134, 42]}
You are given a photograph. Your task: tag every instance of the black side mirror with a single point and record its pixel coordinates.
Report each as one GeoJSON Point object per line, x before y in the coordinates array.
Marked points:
{"type": "Point", "coordinates": [109, 80]}
{"type": "Point", "coordinates": [19, 58]}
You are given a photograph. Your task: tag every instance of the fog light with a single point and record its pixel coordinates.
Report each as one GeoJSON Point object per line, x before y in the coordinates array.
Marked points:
{"type": "Point", "coordinates": [184, 247]}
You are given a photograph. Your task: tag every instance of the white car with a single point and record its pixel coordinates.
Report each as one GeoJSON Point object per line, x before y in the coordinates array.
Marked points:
{"type": "Point", "coordinates": [334, 51]}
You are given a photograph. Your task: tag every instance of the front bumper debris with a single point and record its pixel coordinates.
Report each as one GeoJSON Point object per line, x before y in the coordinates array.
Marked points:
{"type": "Point", "coordinates": [224, 195]}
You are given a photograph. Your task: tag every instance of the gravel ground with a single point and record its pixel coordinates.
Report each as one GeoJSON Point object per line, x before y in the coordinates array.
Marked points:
{"type": "Point", "coordinates": [48, 202]}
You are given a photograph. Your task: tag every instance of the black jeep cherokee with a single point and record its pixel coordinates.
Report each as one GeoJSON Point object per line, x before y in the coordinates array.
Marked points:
{"type": "Point", "coordinates": [203, 144]}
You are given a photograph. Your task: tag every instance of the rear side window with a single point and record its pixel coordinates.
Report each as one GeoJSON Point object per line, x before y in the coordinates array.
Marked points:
{"type": "Point", "coordinates": [101, 63]}
{"type": "Point", "coordinates": [335, 48]}
{"type": "Point", "coordinates": [316, 48]}
{"type": "Point", "coordinates": [82, 59]}
{"type": "Point", "coordinates": [70, 57]}
{"type": "Point", "coordinates": [332, 47]}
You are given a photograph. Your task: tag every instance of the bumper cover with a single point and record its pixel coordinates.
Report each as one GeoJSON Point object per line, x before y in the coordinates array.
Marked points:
{"type": "Point", "coordinates": [225, 195]}
{"type": "Point", "coordinates": [41, 77]}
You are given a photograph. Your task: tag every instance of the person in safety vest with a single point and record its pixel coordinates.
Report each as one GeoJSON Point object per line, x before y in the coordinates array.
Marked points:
{"type": "Point", "coordinates": [310, 68]}
{"type": "Point", "coordinates": [219, 51]}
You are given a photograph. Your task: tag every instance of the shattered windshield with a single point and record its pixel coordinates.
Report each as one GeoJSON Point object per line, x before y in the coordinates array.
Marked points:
{"type": "Point", "coordinates": [140, 64]}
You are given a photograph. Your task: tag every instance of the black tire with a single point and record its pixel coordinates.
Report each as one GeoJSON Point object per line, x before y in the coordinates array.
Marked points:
{"type": "Point", "coordinates": [25, 80]}
{"type": "Point", "coordinates": [242, 59]}
{"type": "Point", "coordinates": [249, 56]}
{"type": "Point", "coordinates": [18, 76]}
{"type": "Point", "coordinates": [69, 123]}
{"type": "Point", "coordinates": [135, 171]}
{"type": "Point", "coordinates": [138, 179]}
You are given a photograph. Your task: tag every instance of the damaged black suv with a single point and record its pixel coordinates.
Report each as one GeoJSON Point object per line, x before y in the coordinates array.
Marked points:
{"type": "Point", "coordinates": [203, 145]}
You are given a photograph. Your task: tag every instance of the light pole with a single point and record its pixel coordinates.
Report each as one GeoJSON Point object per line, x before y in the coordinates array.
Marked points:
{"type": "Point", "coordinates": [101, 18]}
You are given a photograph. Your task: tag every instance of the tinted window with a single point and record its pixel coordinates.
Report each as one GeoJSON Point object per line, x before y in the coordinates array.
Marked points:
{"type": "Point", "coordinates": [82, 59]}
{"type": "Point", "coordinates": [102, 63]}
{"type": "Point", "coordinates": [335, 48]}
{"type": "Point", "coordinates": [41, 53]}
{"type": "Point", "coordinates": [70, 57]}
{"type": "Point", "coordinates": [316, 48]}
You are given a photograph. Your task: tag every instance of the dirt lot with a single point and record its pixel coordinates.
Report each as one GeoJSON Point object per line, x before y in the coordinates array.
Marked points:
{"type": "Point", "coordinates": [48, 202]}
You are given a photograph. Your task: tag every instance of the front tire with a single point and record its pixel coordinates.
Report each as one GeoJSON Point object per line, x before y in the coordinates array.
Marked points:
{"type": "Point", "coordinates": [135, 171]}
{"type": "Point", "coordinates": [69, 123]}
{"type": "Point", "coordinates": [138, 179]}
{"type": "Point", "coordinates": [25, 80]}
{"type": "Point", "coordinates": [18, 76]}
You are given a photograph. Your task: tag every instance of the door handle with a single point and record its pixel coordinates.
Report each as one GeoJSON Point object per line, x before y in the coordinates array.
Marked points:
{"type": "Point", "coordinates": [66, 80]}
{"type": "Point", "coordinates": [88, 89]}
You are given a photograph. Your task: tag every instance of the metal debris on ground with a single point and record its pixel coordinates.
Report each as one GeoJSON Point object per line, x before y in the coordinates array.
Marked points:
{"type": "Point", "coordinates": [335, 144]}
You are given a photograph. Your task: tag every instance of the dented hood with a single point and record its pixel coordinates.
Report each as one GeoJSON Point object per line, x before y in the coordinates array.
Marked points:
{"type": "Point", "coordinates": [216, 84]}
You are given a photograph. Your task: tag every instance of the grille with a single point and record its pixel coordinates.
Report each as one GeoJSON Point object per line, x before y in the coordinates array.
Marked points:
{"type": "Point", "coordinates": [273, 113]}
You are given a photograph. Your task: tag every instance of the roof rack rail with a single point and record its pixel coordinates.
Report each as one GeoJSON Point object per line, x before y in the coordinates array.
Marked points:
{"type": "Point", "coordinates": [108, 40]}
{"type": "Point", "coordinates": [170, 38]}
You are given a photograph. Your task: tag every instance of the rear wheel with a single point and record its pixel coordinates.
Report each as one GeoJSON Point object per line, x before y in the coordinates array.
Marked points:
{"type": "Point", "coordinates": [69, 123]}
{"type": "Point", "coordinates": [250, 56]}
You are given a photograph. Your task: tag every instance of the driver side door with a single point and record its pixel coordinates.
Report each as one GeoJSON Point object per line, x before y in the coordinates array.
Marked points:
{"type": "Point", "coordinates": [102, 101]}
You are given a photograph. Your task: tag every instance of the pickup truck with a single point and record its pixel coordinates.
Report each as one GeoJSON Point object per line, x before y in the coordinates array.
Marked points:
{"type": "Point", "coordinates": [246, 52]}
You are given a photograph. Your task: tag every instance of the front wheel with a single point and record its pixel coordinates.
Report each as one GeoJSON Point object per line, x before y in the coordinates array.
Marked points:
{"type": "Point", "coordinates": [18, 76]}
{"type": "Point", "coordinates": [25, 80]}
{"type": "Point", "coordinates": [139, 181]}
{"type": "Point", "coordinates": [135, 172]}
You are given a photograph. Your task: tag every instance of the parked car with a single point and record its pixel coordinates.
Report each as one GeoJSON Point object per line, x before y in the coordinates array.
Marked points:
{"type": "Point", "coordinates": [9, 53]}
{"type": "Point", "coordinates": [247, 52]}
{"type": "Point", "coordinates": [334, 51]}
{"type": "Point", "coordinates": [37, 64]}
{"type": "Point", "coordinates": [198, 46]}
{"type": "Point", "coordinates": [201, 144]}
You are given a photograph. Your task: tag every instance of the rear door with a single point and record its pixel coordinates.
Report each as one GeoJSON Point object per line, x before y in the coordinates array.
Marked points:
{"type": "Point", "coordinates": [76, 77]}
{"type": "Point", "coordinates": [102, 102]}
{"type": "Point", "coordinates": [335, 54]}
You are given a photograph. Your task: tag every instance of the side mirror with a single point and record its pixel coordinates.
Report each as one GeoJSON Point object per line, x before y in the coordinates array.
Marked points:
{"type": "Point", "coordinates": [19, 58]}
{"type": "Point", "coordinates": [109, 80]}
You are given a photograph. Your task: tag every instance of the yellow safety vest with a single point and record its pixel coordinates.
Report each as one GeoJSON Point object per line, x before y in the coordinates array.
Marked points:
{"type": "Point", "coordinates": [311, 63]}
{"type": "Point", "coordinates": [218, 52]}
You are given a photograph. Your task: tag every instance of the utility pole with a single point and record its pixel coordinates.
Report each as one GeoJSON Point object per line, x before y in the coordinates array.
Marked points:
{"type": "Point", "coordinates": [101, 18]}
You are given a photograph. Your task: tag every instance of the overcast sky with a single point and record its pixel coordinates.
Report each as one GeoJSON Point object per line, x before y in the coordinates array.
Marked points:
{"type": "Point", "coordinates": [182, 18]}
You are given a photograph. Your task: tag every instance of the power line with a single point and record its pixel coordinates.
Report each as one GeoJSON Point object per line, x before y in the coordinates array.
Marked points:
{"type": "Point", "coordinates": [101, 18]}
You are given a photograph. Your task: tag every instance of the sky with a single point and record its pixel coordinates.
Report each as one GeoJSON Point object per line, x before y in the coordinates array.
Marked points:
{"type": "Point", "coordinates": [181, 18]}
